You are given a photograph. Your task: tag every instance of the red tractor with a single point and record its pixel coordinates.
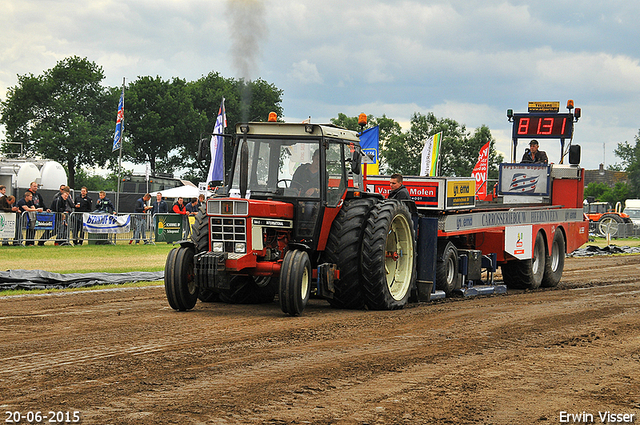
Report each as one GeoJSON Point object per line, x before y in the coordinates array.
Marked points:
{"type": "Point", "coordinates": [294, 220]}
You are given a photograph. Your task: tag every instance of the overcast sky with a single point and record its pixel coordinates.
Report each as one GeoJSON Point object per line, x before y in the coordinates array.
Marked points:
{"type": "Point", "coordinates": [465, 60]}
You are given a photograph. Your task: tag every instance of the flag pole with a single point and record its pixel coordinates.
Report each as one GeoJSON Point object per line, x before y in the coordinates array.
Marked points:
{"type": "Point", "coordinates": [120, 154]}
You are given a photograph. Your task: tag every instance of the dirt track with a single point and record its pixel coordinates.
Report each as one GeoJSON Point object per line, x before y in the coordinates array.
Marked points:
{"type": "Point", "coordinates": [124, 357]}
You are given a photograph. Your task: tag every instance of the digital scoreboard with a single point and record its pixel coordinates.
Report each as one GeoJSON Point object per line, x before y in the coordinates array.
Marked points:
{"type": "Point", "coordinates": [542, 125]}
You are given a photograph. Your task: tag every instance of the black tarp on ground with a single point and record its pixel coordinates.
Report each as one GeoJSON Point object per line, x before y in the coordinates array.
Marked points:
{"type": "Point", "coordinates": [40, 279]}
{"type": "Point", "coordinates": [591, 250]}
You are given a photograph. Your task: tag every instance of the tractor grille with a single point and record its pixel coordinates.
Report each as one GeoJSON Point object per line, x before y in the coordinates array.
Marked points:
{"type": "Point", "coordinates": [228, 230]}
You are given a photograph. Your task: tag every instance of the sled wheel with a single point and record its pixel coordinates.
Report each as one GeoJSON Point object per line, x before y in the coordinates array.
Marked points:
{"type": "Point", "coordinates": [554, 263]}
{"type": "Point", "coordinates": [526, 274]}
{"type": "Point", "coordinates": [447, 268]}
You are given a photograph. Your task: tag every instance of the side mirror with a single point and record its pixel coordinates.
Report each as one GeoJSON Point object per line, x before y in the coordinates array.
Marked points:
{"type": "Point", "coordinates": [356, 157]}
{"type": "Point", "coordinates": [574, 154]}
{"type": "Point", "coordinates": [203, 149]}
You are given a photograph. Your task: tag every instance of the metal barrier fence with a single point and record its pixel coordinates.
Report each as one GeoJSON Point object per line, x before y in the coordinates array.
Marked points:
{"type": "Point", "coordinates": [67, 229]}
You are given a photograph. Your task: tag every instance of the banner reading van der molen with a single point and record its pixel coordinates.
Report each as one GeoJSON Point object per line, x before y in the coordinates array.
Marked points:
{"type": "Point", "coordinates": [106, 223]}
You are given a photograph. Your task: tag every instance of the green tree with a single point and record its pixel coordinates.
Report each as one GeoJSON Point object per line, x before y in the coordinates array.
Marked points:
{"type": "Point", "coordinates": [244, 101]}
{"type": "Point", "coordinates": [630, 156]}
{"type": "Point", "coordinates": [603, 193]}
{"type": "Point", "coordinates": [160, 121]}
{"type": "Point", "coordinates": [62, 115]}
{"type": "Point", "coordinates": [458, 150]}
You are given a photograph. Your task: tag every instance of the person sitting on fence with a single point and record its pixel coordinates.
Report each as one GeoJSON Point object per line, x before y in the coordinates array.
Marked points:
{"type": "Point", "coordinates": [83, 204]}
{"type": "Point", "coordinates": [26, 205]}
{"type": "Point", "coordinates": [140, 219]}
{"type": "Point", "coordinates": [104, 205]}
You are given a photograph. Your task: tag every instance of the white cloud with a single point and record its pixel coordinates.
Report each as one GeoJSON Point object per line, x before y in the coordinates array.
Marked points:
{"type": "Point", "coordinates": [305, 72]}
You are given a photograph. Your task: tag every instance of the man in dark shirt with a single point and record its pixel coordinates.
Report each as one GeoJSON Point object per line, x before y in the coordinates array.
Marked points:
{"type": "Point", "coordinates": [398, 190]}
{"type": "Point", "coordinates": [62, 208]}
{"type": "Point", "coordinates": [306, 178]}
{"type": "Point", "coordinates": [533, 155]}
{"type": "Point", "coordinates": [104, 204]}
{"type": "Point", "coordinates": [159, 206]}
{"type": "Point", "coordinates": [36, 199]}
{"type": "Point", "coordinates": [140, 219]}
{"type": "Point", "coordinates": [26, 205]}
{"type": "Point", "coordinates": [83, 204]}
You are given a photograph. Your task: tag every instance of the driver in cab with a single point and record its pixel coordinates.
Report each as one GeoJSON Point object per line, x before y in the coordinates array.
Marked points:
{"type": "Point", "coordinates": [307, 177]}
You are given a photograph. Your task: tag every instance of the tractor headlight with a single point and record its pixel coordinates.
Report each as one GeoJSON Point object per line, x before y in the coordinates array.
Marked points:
{"type": "Point", "coordinates": [240, 248]}
{"type": "Point", "coordinates": [218, 247]}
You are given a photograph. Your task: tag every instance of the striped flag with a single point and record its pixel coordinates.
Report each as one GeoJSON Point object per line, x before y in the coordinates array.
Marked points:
{"type": "Point", "coordinates": [117, 137]}
{"type": "Point", "coordinates": [216, 168]}
{"type": "Point", "coordinates": [430, 153]}
{"type": "Point", "coordinates": [520, 182]}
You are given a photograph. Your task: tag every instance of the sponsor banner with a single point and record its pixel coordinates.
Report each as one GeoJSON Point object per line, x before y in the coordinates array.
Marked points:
{"type": "Point", "coordinates": [106, 223]}
{"type": "Point", "coordinates": [518, 241]}
{"type": "Point", "coordinates": [168, 227]}
{"type": "Point", "coordinates": [489, 219]}
{"type": "Point", "coordinates": [7, 225]}
{"type": "Point", "coordinates": [524, 179]}
{"type": "Point", "coordinates": [461, 193]}
{"type": "Point", "coordinates": [45, 221]}
{"type": "Point", "coordinates": [424, 193]}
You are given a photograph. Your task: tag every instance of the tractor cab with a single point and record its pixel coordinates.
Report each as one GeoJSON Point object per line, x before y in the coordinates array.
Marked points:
{"type": "Point", "coordinates": [309, 166]}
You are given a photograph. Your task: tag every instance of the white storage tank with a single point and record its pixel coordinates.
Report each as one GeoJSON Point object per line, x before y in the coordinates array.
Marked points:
{"type": "Point", "coordinates": [27, 173]}
{"type": "Point", "coordinates": [53, 175]}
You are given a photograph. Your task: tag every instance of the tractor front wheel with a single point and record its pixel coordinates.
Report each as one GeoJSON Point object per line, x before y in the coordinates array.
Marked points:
{"type": "Point", "coordinates": [295, 282]}
{"type": "Point", "coordinates": [179, 281]}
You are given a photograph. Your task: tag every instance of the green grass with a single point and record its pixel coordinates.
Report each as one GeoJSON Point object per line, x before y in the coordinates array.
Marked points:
{"type": "Point", "coordinates": [602, 242]}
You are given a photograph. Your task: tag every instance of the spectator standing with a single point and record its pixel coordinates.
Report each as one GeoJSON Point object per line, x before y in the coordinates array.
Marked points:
{"type": "Point", "coordinates": [3, 191]}
{"type": "Point", "coordinates": [36, 199]}
{"type": "Point", "coordinates": [159, 206]}
{"type": "Point", "coordinates": [180, 208]}
{"type": "Point", "coordinates": [192, 207]}
{"type": "Point", "coordinates": [140, 219]}
{"type": "Point", "coordinates": [62, 208]}
{"type": "Point", "coordinates": [104, 204]}
{"type": "Point", "coordinates": [26, 205]}
{"type": "Point", "coordinates": [83, 204]}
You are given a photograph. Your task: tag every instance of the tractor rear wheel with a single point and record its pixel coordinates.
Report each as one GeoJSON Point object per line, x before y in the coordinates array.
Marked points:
{"type": "Point", "coordinates": [526, 274]}
{"type": "Point", "coordinates": [344, 247]}
{"type": "Point", "coordinates": [609, 223]}
{"type": "Point", "coordinates": [179, 279]}
{"type": "Point", "coordinates": [295, 282]}
{"type": "Point", "coordinates": [388, 256]}
{"type": "Point", "coordinates": [554, 262]}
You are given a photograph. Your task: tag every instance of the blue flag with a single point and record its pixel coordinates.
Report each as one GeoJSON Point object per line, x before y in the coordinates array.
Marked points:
{"type": "Point", "coordinates": [369, 141]}
{"type": "Point", "coordinates": [117, 138]}
{"type": "Point", "coordinates": [216, 168]}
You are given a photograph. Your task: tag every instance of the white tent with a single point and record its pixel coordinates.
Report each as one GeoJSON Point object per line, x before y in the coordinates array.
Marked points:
{"type": "Point", "coordinates": [187, 192]}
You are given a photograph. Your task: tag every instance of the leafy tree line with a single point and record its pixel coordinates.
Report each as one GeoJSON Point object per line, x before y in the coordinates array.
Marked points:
{"type": "Point", "coordinates": [401, 152]}
{"type": "Point", "coordinates": [630, 163]}
{"type": "Point", "coordinates": [68, 115]}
